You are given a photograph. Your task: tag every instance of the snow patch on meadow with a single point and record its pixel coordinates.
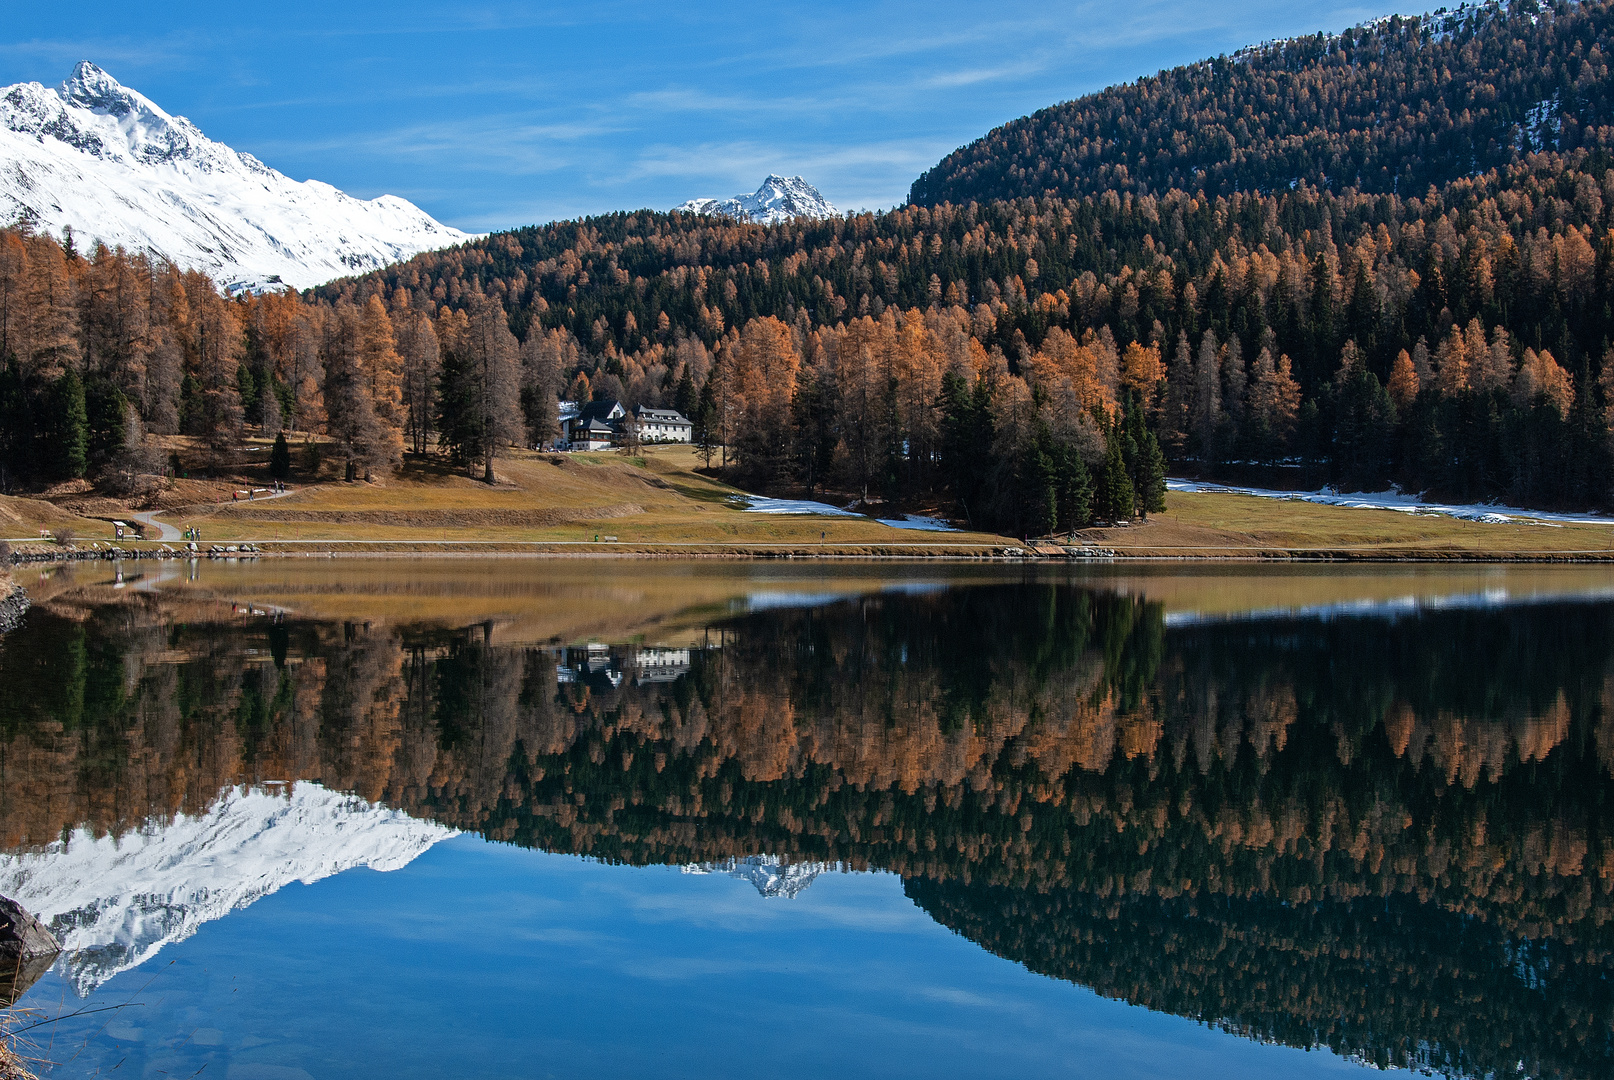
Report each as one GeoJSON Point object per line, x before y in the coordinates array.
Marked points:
{"type": "Point", "coordinates": [1401, 502]}
{"type": "Point", "coordinates": [761, 504]}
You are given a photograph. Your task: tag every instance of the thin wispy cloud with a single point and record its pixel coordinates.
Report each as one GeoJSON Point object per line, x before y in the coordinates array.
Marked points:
{"type": "Point", "coordinates": [504, 113]}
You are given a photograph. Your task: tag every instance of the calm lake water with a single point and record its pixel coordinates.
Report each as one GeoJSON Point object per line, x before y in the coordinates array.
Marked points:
{"type": "Point", "coordinates": [490, 818]}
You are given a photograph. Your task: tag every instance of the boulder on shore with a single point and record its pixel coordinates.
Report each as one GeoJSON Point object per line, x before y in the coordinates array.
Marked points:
{"type": "Point", "coordinates": [27, 949]}
{"type": "Point", "coordinates": [13, 602]}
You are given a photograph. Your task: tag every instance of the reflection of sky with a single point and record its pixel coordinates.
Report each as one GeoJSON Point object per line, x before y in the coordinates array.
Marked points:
{"type": "Point", "coordinates": [773, 601]}
{"type": "Point", "coordinates": [486, 960]}
{"type": "Point", "coordinates": [1392, 608]}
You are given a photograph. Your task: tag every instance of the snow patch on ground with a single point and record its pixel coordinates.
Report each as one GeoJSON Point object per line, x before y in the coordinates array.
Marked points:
{"type": "Point", "coordinates": [917, 522]}
{"type": "Point", "coordinates": [1399, 501]}
{"type": "Point", "coordinates": [761, 504]}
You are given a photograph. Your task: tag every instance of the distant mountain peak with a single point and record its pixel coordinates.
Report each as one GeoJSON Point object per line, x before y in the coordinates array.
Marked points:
{"type": "Point", "coordinates": [780, 198]}
{"type": "Point", "coordinates": [105, 160]}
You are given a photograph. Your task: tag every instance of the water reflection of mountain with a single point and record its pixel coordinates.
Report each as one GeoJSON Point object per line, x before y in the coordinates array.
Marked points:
{"type": "Point", "coordinates": [769, 874]}
{"type": "Point", "coordinates": [1388, 837]}
{"type": "Point", "coordinates": [115, 901]}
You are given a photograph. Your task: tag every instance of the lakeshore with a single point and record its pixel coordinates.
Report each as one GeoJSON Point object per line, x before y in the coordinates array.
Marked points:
{"type": "Point", "coordinates": [661, 504]}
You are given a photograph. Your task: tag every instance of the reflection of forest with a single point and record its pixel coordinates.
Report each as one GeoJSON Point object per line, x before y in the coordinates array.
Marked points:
{"type": "Point", "coordinates": [1387, 837]}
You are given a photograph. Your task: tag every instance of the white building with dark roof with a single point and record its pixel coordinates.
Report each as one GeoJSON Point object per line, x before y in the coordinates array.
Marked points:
{"type": "Point", "coordinates": [602, 424]}
{"type": "Point", "coordinates": [662, 425]}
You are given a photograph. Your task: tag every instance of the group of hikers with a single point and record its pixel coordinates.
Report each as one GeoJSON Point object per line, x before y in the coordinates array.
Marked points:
{"type": "Point", "coordinates": [275, 487]}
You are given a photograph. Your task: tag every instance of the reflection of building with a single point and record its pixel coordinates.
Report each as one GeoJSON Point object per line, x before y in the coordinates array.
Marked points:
{"type": "Point", "coordinates": [661, 665]}
{"type": "Point", "coordinates": [591, 664]}
{"type": "Point", "coordinates": [599, 665]}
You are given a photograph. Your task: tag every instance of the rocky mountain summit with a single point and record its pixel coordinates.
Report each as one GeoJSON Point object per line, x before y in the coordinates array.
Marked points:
{"type": "Point", "coordinates": [96, 157]}
{"type": "Point", "coordinates": [780, 198]}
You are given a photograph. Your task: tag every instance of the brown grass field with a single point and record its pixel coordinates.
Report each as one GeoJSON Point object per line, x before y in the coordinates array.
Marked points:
{"type": "Point", "coordinates": [658, 503]}
{"type": "Point", "coordinates": [653, 501]}
{"type": "Point", "coordinates": [1223, 525]}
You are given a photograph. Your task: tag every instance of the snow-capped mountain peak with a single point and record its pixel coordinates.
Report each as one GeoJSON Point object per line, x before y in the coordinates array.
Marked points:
{"type": "Point", "coordinates": [780, 198]}
{"type": "Point", "coordinates": [107, 161]}
{"type": "Point", "coordinates": [99, 92]}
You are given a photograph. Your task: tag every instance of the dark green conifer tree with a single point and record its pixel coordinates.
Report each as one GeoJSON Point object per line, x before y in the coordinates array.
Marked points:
{"type": "Point", "coordinates": [703, 425]}
{"type": "Point", "coordinates": [70, 437]}
{"type": "Point", "coordinates": [685, 399]}
{"type": "Point", "coordinates": [106, 410]}
{"type": "Point", "coordinates": [280, 458]}
{"type": "Point", "coordinates": [1120, 499]}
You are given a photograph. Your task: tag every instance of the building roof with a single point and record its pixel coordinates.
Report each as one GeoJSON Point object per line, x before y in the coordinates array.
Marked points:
{"type": "Point", "coordinates": [600, 410]}
{"type": "Point", "coordinates": [661, 416]}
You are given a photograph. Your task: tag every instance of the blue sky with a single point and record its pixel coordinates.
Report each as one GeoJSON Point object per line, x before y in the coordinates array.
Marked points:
{"type": "Point", "coordinates": [495, 114]}
{"type": "Point", "coordinates": [483, 960]}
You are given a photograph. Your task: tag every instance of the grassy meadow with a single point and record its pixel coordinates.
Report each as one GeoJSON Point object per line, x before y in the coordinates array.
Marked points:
{"type": "Point", "coordinates": [657, 502]}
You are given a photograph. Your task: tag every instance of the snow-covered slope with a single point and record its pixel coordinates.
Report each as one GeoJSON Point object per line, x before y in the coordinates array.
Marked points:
{"type": "Point", "coordinates": [768, 873]}
{"type": "Point", "coordinates": [780, 198]}
{"type": "Point", "coordinates": [103, 159]}
{"type": "Point", "coordinates": [114, 903]}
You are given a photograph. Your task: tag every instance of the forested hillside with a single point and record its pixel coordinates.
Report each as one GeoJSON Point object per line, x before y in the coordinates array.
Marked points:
{"type": "Point", "coordinates": [1030, 364]}
{"type": "Point", "coordinates": [1451, 342]}
{"type": "Point", "coordinates": [1393, 106]}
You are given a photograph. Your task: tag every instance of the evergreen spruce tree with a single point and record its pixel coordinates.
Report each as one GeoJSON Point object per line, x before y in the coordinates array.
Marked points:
{"type": "Point", "coordinates": [16, 427]}
{"type": "Point", "coordinates": [1151, 485]}
{"type": "Point", "coordinates": [1145, 462]}
{"type": "Point", "coordinates": [71, 435]}
{"type": "Point", "coordinates": [1119, 496]}
{"type": "Point", "coordinates": [280, 458]}
{"type": "Point", "coordinates": [1074, 485]}
{"type": "Point", "coordinates": [106, 411]}
{"type": "Point", "coordinates": [246, 385]}
{"type": "Point", "coordinates": [1039, 495]}
{"type": "Point", "coordinates": [459, 431]}
{"type": "Point", "coordinates": [685, 398]}
{"type": "Point", "coordinates": [961, 439]}
{"type": "Point", "coordinates": [704, 424]}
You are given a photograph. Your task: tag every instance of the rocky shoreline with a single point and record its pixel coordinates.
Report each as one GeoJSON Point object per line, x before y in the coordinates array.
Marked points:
{"type": "Point", "coordinates": [1046, 551]}
{"type": "Point", "coordinates": [13, 603]}
{"type": "Point", "coordinates": [44, 553]}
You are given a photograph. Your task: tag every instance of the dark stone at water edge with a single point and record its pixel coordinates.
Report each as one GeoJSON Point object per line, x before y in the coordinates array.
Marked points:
{"type": "Point", "coordinates": [27, 949]}
{"type": "Point", "coordinates": [13, 604]}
